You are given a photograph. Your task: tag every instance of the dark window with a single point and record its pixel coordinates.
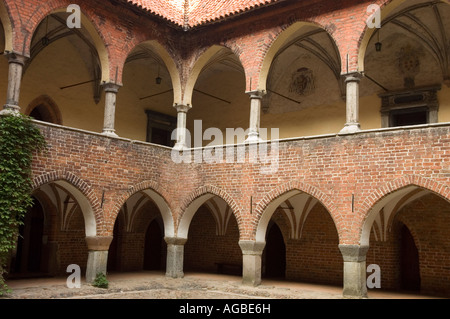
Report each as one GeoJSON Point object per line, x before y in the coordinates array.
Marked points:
{"type": "Point", "coordinates": [161, 137]}
{"type": "Point", "coordinates": [44, 109]}
{"type": "Point", "coordinates": [409, 107]}
{"type": "Point", "coordinates": [412, 116]}
{"type": "Point", "coordinates": [160, 128]}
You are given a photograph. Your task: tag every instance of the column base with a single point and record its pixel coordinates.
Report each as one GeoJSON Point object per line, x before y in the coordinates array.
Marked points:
{"type": "Point", "coordinates": [180, 147]}
{"type": "Point", "coordinates": [251, 258]}
{"type": "Point", "coordinates": [98, 256]}
{"type": "Point", "coordinates": [355, 284]}
{"type": "Point", "coordinates": [9, 109]}
{"type": "Point", "coordinates": [253, 138]}
{"type": "Point", "coordinates": [96, 264]}
{"type": "Point", "coordinates": [350, 128]}
{"type": "Point", "coordinates": [175, 257]}
{"type": "Point", "coordinates": [110, 133]}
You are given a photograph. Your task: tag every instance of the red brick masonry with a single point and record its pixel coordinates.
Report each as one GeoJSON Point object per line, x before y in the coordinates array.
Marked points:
{"type": "Point", "coordinates": [368, 165]}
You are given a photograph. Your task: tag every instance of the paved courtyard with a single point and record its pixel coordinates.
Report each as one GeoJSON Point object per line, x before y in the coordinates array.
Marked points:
{"type": "Point", "coordinates": [154, 285]}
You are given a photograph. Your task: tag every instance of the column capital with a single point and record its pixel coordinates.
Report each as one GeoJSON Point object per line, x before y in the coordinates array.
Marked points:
{"type": "Point", "coordinates": [353, 77]}
{"type": "Point", "coordinates": [16, 58]}
{"type": "Point", "coordinates": [175, 240]}
{"type": "Point", "coordinates": [256, 94]}
{"type": "Point", "coordinates": [111, 87]}
{"type": "Point", "coordinates": [354, 253]}
{"type": "Point", "coordinates": [250, 247]}
{"type": "Point", "coordinates": [98, 243]}
{"type": "Point", "coordinates": [182, 108]}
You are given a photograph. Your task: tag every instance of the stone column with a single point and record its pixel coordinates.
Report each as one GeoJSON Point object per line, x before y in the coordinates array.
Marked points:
{"type": "Point", "coordinates": [181, 126]}
{"type": "Point", "coordinates": [355, 272]}
{"type": "Point", "coordinates": [97, 256]}
{"type": "Point", "coordinates": [16, 63]}
{"type": "Point", "coordinates": [251, 257]}
{"type": "Point", "coordinates": [111, 90]}
{"type": "Point", "coordinates": [175, 257]}
{"type": "Point", "coordinates": [352, 110]}
{"type": "Point", "coordinates": [255, 115]}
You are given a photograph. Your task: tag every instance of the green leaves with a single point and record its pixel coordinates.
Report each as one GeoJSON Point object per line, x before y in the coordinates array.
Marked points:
{"type": "Point", "coordinates": [101, 281]}
{"type": "Point", "coordinates": [19, 140]}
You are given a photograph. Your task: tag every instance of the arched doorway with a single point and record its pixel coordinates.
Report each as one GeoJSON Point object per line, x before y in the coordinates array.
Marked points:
{"type": "Point", "coordinates": [113, 252]}
{"type": "Point", "coordinates": [312, 241]}
{"type": "Point", "coordinates": [213, 242]}
{"type": "Point", "coordinates": [138, 236]}
{"type": "Point", "coordinates": [44, 109]}
{"type": "Point", "coordinates": [153, 247]}
{"type": "Point", "coordinates": [28, 258]}
{"type": "Point", "coordinates": [275, 258]}
{"type": "Point", "coordinates": [408, 240]}
{"type": "Point", "coordinates": [409, 261]}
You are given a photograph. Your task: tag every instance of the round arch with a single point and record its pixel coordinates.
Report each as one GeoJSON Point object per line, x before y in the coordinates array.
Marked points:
{"type": "Point", "coordinates": [99, 43]}
{"type": "Point", "coordinates": [7, 27]}
{"type": "Point", "coordinates": [207, 58]}
{"type": "Point", "coordinates": [398, 192]}
{"type": "Point", "coordinates": [197, 199]}
{"type": "Point", "coordinates": [267, 206]}
{"type": "Point", "coordinates": [367, 34]}
{"type": "Point", "coordinates": [282, 40]}
{"type": "Point", "coordinates": [82, 193]}
{"type": "Point", "coordinates": [47, 108]}
{"type": "Point", "coordinates": [150, 189]}
{"type": "Point", "coordinates": [169, 63]}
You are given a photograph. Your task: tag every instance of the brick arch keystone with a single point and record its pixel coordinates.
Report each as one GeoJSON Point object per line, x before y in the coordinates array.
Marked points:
{"type": "Point", "coordinates": [211, 190]}
{"type": "Point", "coordinates": [290, 186]}
{"type": "Point", "coordinates": [91, 205]}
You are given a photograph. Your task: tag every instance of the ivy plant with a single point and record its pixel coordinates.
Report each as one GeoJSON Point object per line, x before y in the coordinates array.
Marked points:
{"type": "Point", "coordinates": [20, 139]}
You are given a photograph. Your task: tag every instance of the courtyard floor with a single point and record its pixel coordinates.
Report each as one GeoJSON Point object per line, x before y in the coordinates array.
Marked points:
{"type": "Point", "coordinates": [154, 285]}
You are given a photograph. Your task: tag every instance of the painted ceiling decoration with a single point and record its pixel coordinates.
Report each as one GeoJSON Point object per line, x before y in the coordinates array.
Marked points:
{"type": "Point", "coordinates": [416, 42]}
{"type": "Point", "coordinates": [302, 82]}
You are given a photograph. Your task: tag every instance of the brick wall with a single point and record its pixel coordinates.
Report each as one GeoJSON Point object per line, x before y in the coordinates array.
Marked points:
{"type": "Point", "coordinates": [205, 248]}
{"type": "Point", "coordinates": [315, 257]}
{"type": "Point", "coordinates": [369, 165]}
{"type": "Point", "coordinates": [130, 245]}
{"type": "Point", "coordinates": [427, 219]}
